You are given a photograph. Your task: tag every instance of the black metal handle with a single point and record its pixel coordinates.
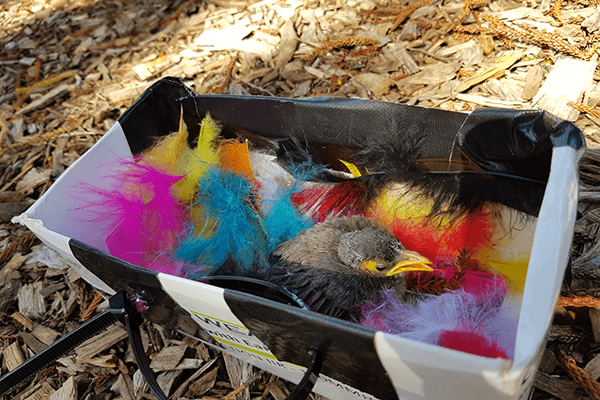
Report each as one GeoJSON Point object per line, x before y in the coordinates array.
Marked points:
{"type": "Point", "coordinates": [124, 312]}
{"type": "Point", "coordinates": [306, 384]}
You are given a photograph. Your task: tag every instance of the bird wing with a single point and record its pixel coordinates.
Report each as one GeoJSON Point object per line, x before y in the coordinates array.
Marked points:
{"type": "Point", "coordinates": [330, 287]}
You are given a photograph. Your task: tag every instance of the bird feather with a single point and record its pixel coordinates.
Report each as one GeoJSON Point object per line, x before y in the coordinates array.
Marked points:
{"type": "Point", "coordinates": [173, 155]}
{"type": "Point", "coordinates": [236, 235]}
{"type": "Point", "coordinates": [456, 319]}
{"type": "Point", "coordinates": [144, 219]}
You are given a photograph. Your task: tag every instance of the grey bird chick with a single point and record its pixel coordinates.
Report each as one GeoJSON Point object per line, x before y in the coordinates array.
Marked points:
{"type": "Point", "coordinates": [344, 261]}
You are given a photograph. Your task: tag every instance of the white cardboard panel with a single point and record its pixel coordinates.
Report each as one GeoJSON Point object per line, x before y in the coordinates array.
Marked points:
{"type": "Point", "coordinates": [60, 243]}
{"type": "Point", "coordinates": [61, 206]}
{"type": "Point", "coordinates": [549, 255]}
{"type": "Point", "coordinates": [421, 371]}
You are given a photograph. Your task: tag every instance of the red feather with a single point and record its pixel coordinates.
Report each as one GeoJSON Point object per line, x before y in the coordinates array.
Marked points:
{"type": "Point", "coordinates": [342, 199]}
{"type": "Point", "coordinates": [472, 342]}
{"type": "Point", "coordinates": [472, 231]}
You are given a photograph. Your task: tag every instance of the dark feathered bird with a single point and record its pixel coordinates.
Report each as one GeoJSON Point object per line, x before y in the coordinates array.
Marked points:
{"type": "Point", "coordinates": [341, 262]}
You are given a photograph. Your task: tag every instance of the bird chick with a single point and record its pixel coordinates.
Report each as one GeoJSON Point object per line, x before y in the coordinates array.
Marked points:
{"type": "Point", "coordinates": [341, 262]}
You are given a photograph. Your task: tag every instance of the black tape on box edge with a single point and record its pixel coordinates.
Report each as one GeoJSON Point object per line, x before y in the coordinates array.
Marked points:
{"type": "Point", "coordinates": [348, 349]}
{"type": "Point", "coordinates": [136, 281]}
{"type": "Point", "coordinates": [503, 143]}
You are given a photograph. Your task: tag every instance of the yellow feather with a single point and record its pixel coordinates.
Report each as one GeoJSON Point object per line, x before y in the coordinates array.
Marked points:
{"type": "Point", "coordinates": [173, 155]}
{"type": "Point", "coordinates": [206, 156]}
{"type": "Point", "coordinates": [206, 147]}
{"type": "Point", "coordinates": [352, 168]}
{"type": "Point", "coordinates": [170, 152]}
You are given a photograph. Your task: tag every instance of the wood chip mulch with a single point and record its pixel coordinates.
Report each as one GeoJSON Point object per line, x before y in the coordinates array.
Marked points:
{"type": "Point", "coordinates": [69, 68]}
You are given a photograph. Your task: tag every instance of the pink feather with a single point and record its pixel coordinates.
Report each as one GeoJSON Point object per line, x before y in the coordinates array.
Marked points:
{"type": "Point", "coordinates": [454, 319]}
{"type": "Point", "coordinates": [143, 219]}
{"type": "Point", "coordinates": [472, 342]}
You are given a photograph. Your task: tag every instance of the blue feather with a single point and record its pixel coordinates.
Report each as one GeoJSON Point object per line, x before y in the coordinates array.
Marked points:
{"type": "Point", "coordinates": [282, 220]}
{"type": "Point", "coordinates": [238, 235]}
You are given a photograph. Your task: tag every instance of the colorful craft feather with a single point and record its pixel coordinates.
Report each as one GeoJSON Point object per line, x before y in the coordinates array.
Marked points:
{"type": "Point", "coordinates": [454, 319]}
{"type": "Point", "coordinates": [167, 263]}
{"type": "Point", "coordinates": [282, 220]}
{"type": "Point", "coordinates": [321, 201]}
{"type": "Point", "coordinates": [144, 221]}
{"type": "Point", "coordinates": [460, 272]}
{"type": "Point", "coordinates": [485, 286]}
{"type": "Point", "coordinates": [408, 216]}
{"type": "Point", "coordinates": [173, 155]}
{"type": "Point", "coordinates": [236, 234]}
{"type": "Point", "coordinates": [235, 157]}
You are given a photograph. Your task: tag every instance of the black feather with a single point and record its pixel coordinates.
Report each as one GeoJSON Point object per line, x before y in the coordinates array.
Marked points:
{"type": "Point", "coordinates": [399, 161]}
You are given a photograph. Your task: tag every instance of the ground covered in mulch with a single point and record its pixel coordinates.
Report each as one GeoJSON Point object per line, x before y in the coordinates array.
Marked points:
{"type": "Point", "coordinates": [69, 68]}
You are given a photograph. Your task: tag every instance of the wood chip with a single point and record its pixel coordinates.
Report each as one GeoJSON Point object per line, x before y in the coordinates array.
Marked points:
{"type": "Point", "coordinates": [45, 334]}
{"type": "Point", "coordinates": [434, 74]}
{"type": "Point", "coordinates": [592, 368]}
{"type": "Point", "coordinates": [407, 61]}
{"type": "Point", "coordinates": [70, 366]}
{"type": "Point", "coordinates": [549, 362]}
{"type": "Point", "coordinates": [375, 83]}
{"type": "Point", "coordinates": [32, 342]}
{"type": "Point", "coordinates": [68, 391]}
{"type": "Point", "coordinates": [168, 358]}
{"type": "Point", "coordinates": [595, 320]}
{"type": "Point", "coordinates": [9, 271]}
{"type": "Point", "coordinates": [244, 387]}
{"type": "Point", "coordinates": [592, 23]}
{"type": "Point", "coordinates": [168, 379]}
{"type": "Point", "coordinates": [533, 82]}
{"type": "Point", "coordinates": [15, 262]}
{"type": "Point", "coordinates": [10, 209]}
{"type": "Point", "coordinates": [278, 390]}
{"type": "Point", "coordinates": [31, 302]}
{"type": "Point", "coordinates": [13, 356]}
{"type": "Point", "coordinates": [129, 93]}
{"type": "Point", "coordinates": [501, 65]}
{"type": "Point", "coordinates": [48, 98]}
{"type": "Point", "coordinates": [563, 389]}
{"type": "Point", "coordinates": [101, 342]}
{"type": "Point", "coordinates": [239, 372]}
{"type": "Point", "coordinates": [23, 320]}
{"type": "Point", "coordinates": [140, 385]}
{"type": "Point", "coordinates": [204, 384]}
{"type": "Point", "coordinates": [190, 363]}
{"type": "Point", "coordinates": [184, 386]}
{"type": "Point", "coordinates": [42, 391]}
{"type": "Point", "coordinates": [566, 82]}
{"type": "Point", "coordinates": [124, 387]}
{"type": "Point", "coordinates": [287, 45]}
{"type": "Point", "coordinates": [32, 179]}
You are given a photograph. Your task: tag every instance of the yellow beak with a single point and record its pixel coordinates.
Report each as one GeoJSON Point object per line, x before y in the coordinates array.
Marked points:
{"type": "Point", "coordinates": [413, 262]}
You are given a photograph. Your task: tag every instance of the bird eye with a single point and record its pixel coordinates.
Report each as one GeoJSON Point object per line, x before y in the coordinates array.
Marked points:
{"type": "Point", "coordinates": [379, 267]}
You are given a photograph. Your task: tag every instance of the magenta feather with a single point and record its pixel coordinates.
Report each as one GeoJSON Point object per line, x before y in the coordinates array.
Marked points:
{"type": "Point", "coordinates": [454, 317]}
{"type": "Point", "coordinates": [144, 221]}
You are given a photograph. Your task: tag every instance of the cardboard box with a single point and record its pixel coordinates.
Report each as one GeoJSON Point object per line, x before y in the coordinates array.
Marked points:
{"type": "Point", "coordinates": [360, 363]}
